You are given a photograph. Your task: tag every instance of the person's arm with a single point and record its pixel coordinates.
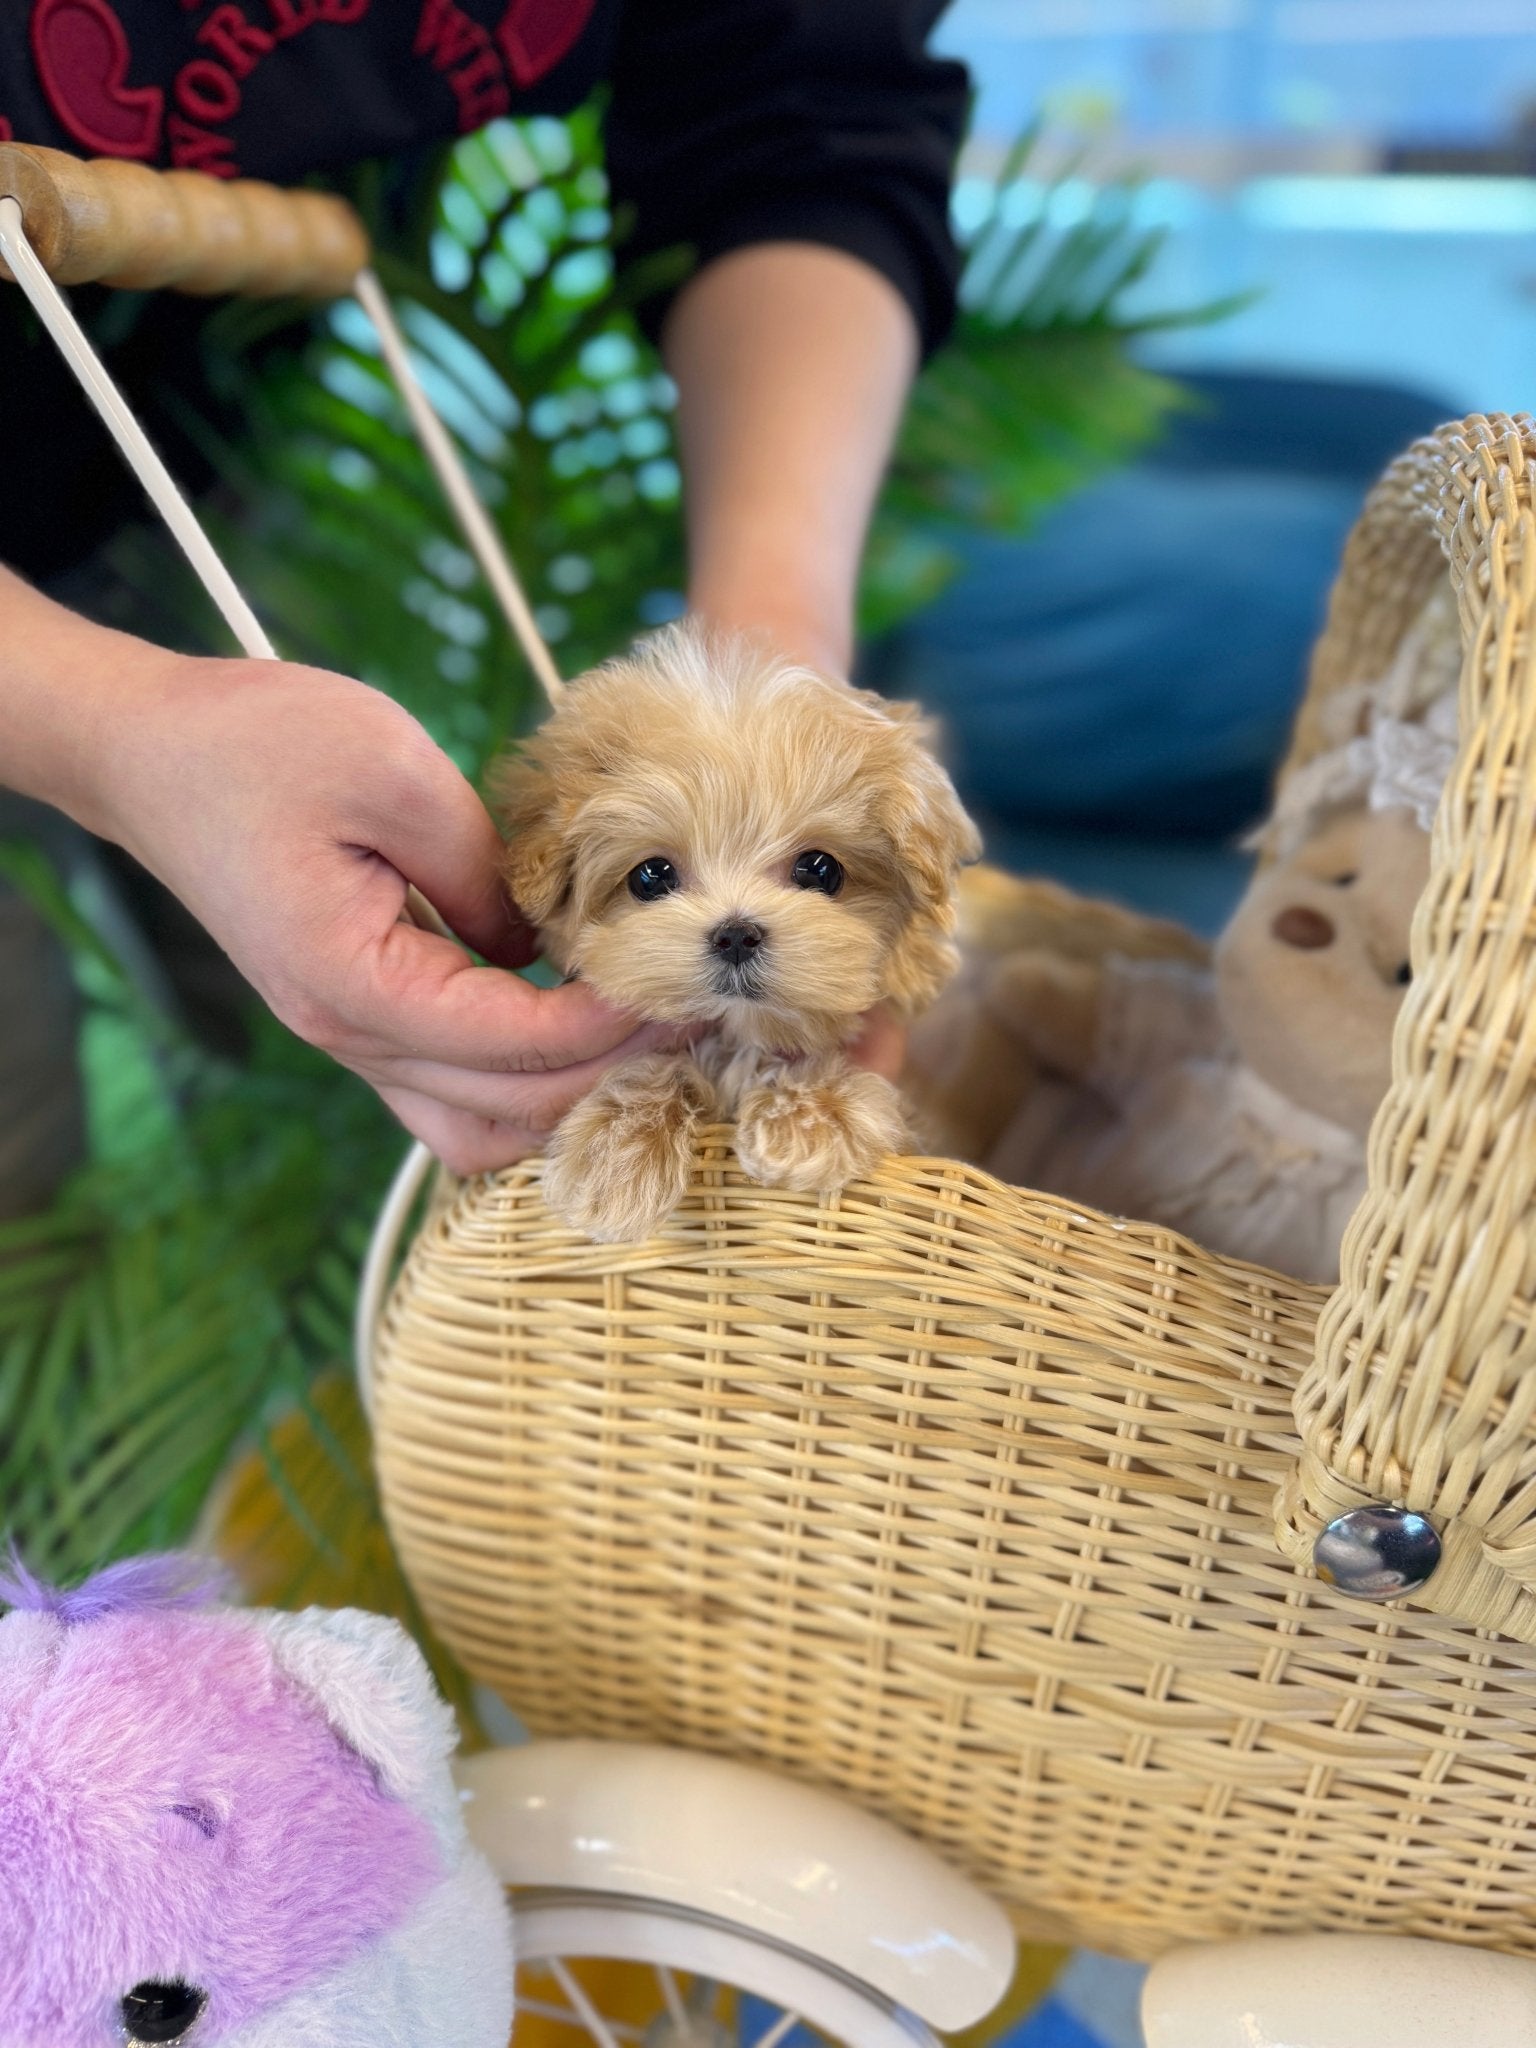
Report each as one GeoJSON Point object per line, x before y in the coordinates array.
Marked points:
{"type": "Point", "coordinates": [803, 149]}
{"type": "Point", "coordinates": [289, 809]}
{"type": "Point", "coordinates": [804, 152]}
{"type": "Point", "coordinates": [792, 362]}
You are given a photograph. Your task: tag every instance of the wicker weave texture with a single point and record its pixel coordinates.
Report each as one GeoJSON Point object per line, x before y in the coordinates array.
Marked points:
{"type": "Point", "coordinates": [961, 1500]}
{"type": "Point", "coordinates": [958, 1501]}
{"type": "Point", "coordinates": [1422, 1390]}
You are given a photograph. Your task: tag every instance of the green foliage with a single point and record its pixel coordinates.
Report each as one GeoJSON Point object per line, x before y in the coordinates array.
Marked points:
{"type": "Point", "coordinates": [189, 1283]}
{"type": "Point", "coordinates": [194, 1282]}
{"type": "Point", "coordinates": [525, 337]}
{"type": "Point", "coordinates": [1037, 392]}
{"type": "Point", "coordinates": [525, 332]}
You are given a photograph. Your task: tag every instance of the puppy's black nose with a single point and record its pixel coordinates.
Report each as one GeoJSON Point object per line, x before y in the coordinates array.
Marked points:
{"type": "Point", "coordinates": [736, 942]}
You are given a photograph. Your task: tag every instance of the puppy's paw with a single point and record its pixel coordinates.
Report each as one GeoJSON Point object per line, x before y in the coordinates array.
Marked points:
{"type": "Point", "coordinates": [818, 1131]}
{"type": "Point", "coordinates": [618, 1165]}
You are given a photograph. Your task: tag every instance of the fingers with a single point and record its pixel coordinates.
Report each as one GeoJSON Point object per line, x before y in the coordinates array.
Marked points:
{"type": "Point", "coordinates": [476, 1123]}
{"type": "Point", "coordinates": [881, 1045]}
{"type": "Point", "coordinates": [533, 1103]}
{"type": "Point", "coordinates": [476, 1062]}
{"type": "Point", "coordinates": [465, 1143]}
{"type": "Point", "coordinates": [432, 827]}
{"type": "Point", "coordinates": [407, 993]}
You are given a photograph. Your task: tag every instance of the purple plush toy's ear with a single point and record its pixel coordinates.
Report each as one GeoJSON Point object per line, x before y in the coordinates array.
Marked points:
{"type": "Point", "coordinates": [372, 1684]}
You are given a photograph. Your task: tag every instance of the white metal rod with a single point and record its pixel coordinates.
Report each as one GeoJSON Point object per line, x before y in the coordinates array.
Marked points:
{"type": "Point", "coordinates": [772, 2036]}
{"type": "Point", "coordinates": [590, 2017]}
{"type": "Point", "coordinates": [677, 2011]}
{"type": "Point", "coordinates": [52, 309]}
{"type": "Point", "coordinates": [544, 2009]}
{"type": "Point", "coordinates": [378, 1266]}
{"type": "Point", "coordinates": [484, 541]}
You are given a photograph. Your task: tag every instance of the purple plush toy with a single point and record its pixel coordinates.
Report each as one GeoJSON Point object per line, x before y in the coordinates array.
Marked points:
{"type": "Point", "coordinates": [232, 1827]}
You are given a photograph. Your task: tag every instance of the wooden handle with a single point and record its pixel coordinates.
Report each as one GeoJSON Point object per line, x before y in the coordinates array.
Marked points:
{"type": "Point", "coordinates": [119, 223]}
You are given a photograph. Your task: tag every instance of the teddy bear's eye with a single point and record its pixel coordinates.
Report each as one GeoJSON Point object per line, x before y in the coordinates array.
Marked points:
{"type": "Point", "coordinates": [161, 2012]}
{"type": "Point", "coordinates": [1403, 975]}
{"type": "Point", "coordinates": [1343, 881]}
{"type": "Point", "coordinates": [817, 871]}
{"type": "Point", "coordinates": [652, 879]}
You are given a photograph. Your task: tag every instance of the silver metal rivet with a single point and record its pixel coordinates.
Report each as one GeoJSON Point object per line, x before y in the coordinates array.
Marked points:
{"type": "Point", "coordinates": [1377, 1553]}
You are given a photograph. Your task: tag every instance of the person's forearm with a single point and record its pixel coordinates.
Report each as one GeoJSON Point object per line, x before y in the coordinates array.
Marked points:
{"type": "Point", "coordinates": [792, 363]}
{"type": "Point", "coordinates": [65, 687]}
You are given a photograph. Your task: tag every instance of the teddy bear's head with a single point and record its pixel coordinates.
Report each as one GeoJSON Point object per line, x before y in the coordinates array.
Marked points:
{"type": "Point", "coordinates": [1312, 968]}
{"type": "Point", "coordinates": [232, 1829]}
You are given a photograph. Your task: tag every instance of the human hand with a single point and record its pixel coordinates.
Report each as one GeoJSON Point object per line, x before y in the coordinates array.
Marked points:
{"type": "Point", "coordinates": [881, 1045]}
{"type": "Point", "coordinates": [290, 809]}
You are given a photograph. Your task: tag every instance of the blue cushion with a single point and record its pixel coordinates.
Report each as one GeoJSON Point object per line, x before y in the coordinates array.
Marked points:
{"type": "Point", "coordinates": [1118, 686]}
{"type": "Point", "coordinates": [1136, 662]}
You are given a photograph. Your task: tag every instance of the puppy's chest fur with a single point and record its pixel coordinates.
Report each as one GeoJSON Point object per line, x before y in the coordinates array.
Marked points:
{"type": "Point", "coordinates": [734, 1070]}
{"type": "Point", "coordinates": [620, 1161]}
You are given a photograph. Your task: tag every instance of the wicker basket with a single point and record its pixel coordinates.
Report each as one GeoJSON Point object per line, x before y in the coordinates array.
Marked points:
{"type": "Point", "coordinates": [963, 1500]}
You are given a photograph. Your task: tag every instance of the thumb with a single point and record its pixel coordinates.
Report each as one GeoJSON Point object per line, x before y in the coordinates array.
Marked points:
{"type": "Point", "coordinates": [445, 846]}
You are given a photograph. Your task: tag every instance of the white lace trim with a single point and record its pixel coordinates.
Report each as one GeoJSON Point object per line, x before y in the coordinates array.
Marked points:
{"type": "Point", "coordinates": [1394, 739]}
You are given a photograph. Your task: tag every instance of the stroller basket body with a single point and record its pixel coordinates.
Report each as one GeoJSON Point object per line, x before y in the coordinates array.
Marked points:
{"type": "Point", "coordinates": [963, 1500]}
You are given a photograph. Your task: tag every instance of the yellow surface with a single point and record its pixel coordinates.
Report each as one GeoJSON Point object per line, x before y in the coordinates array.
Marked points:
{"type": "Point", "coordinates": [1035, 1973]}
{"type": "Point", "coordinates": [297, 1521]}
{"type": "Point", "coordinates": [626, 1992]}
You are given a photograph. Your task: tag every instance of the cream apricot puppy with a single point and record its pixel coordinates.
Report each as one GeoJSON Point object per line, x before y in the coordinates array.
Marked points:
{"type": "Point", "coordinates": [715, 837]}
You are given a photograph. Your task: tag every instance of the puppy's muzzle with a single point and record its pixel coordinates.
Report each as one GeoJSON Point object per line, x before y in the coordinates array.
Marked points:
{"type": "Point", "coordinates": [737, 948]}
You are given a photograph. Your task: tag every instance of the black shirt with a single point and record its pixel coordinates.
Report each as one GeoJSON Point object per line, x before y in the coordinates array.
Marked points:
{"type": "Point", "coordinates": [731, 121]}
{"type": "Point", "coordinates": [728, 122]}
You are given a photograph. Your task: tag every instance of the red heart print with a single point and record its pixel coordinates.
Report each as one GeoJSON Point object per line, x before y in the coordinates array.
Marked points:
{"type": "Point", "coordinates": [535, 34]}
{"type": "Point", "coordinates": [82, 58]}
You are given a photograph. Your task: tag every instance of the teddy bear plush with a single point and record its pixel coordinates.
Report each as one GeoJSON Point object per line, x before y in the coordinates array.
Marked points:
{"type": "Point", "coordinates": [233, 1829]}
{"type": "Point", "coordinates": [1230, 1101]}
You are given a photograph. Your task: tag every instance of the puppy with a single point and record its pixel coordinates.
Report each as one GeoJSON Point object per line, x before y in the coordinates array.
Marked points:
{"type": "Point", "coordinates": [711, 836]}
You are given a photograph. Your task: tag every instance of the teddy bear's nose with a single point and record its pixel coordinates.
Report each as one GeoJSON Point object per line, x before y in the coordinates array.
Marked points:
{"type": "Point", "coordinates": [1299, 926]}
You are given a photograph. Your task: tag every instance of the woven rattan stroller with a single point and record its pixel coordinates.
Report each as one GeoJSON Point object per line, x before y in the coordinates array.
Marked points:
{"type": "Point", "coordinates": [998, 1516]}
{"type": "Point", "coordinates": [948, 1503]}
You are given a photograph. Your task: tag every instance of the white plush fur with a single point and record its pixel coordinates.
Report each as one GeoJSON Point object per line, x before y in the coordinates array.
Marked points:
{"type": "Point", "coordinates": [442, 1980]}
{"type": "Point", "coordinates": [372, 1684]}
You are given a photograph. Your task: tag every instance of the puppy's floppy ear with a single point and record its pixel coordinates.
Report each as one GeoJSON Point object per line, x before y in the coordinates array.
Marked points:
{"type": "Point", "coordinates": [931, 839]}
{"type": "Point", "coordinates": [540, 858]}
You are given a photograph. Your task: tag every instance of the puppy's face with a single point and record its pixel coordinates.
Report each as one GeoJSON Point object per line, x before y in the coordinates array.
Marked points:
{"type": "Point", "coordinates": [708, 835]}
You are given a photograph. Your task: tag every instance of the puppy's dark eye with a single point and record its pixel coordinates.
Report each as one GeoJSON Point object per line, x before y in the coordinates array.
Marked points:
{"type": "Point", "coordinates": [1403, 975]}
{"type": "Point", "coordinates": [817, 871]}
{"type": "Point", "coordinates": [653, 878]}
{"type": "Point", "coordinates": [161, 2012]}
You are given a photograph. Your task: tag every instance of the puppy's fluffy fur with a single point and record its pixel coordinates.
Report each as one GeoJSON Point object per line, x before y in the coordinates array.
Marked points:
{"type": "Point", "coordinates": [708, 753]}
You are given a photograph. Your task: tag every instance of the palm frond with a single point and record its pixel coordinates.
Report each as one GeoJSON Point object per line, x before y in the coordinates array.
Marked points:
{"type": "Point", "coordinates": [179, 1292]}
{"type": "Point", "coordinates": [1040, 390]}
